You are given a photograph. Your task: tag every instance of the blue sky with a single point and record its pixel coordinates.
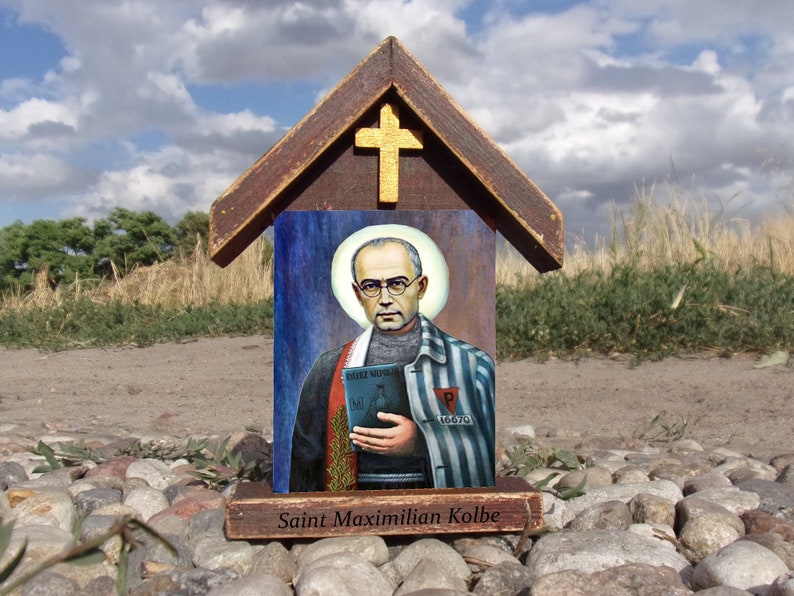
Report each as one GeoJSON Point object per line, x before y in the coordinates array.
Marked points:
{"type": "Point", "coordinates": [161, 105]}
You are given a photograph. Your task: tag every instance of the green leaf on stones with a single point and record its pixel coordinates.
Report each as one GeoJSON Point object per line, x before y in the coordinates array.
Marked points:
{"type": "Point", "coordinates": [5, 540]}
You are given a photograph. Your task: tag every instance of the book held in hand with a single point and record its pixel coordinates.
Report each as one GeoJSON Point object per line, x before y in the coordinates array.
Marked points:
{"type": "Point", "coordinates": [373, 389]}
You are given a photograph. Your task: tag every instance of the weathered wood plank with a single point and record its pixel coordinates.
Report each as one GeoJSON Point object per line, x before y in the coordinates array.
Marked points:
{"type": "Point", "coordinates": [255, 512]}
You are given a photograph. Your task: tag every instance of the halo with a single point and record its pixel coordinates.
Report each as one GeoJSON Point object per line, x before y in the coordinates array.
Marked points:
{"type": "Point", "coordinates": [433, 266]}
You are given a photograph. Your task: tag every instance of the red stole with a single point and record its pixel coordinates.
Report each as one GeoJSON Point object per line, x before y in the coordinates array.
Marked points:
{"type": "Point", "coordinates": [341, 462]}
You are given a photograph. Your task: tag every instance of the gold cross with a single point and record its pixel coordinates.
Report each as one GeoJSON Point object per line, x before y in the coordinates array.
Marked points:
{"type": "Point", "coordinates": [389, 138]}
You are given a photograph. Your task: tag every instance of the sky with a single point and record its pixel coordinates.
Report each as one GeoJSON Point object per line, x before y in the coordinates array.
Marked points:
{"type": "Point", "coordinates": [160, 106]}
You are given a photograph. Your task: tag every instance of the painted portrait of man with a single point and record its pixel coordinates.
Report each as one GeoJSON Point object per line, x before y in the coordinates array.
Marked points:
{"type": "Point", "coordinates": [438, 429]}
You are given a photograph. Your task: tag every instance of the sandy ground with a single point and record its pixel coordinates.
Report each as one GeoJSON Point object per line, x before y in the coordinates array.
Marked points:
{"type": "Point", "coordinates": [218, 386]}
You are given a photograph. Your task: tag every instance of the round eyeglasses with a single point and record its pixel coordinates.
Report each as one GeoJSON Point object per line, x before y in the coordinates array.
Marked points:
{"type": "Point", "coordinates": [395, 286]}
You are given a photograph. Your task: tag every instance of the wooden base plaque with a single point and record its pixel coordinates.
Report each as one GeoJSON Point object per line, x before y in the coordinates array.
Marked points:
{"type": "Point", "coordinates": [255, 512]}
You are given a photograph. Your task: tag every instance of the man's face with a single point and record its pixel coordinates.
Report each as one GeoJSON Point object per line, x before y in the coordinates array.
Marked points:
{"type": "Point", "coordinates": [379, 264]}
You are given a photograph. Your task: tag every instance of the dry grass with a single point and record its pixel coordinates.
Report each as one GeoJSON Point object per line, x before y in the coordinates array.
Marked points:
{"type": "Point", "coordinates": [181, 282]}
{"type": "Point", "coordinates": [653, 234]}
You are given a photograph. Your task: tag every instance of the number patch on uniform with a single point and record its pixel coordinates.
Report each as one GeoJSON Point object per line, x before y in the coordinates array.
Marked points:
{"type": "Point", "coordinates": [455, 420]}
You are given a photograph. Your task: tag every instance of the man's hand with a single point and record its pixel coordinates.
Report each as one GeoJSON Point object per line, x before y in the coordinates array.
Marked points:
{"type": "Point", "coordinates": [400, 439]}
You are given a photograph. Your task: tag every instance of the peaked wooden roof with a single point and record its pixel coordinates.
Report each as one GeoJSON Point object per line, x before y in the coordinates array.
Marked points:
{"type": "Point", "coordinates": [506, 198]}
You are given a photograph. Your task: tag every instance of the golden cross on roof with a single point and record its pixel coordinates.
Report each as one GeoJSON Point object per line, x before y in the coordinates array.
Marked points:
{"type": "Point", "coordinates": [389, 138]}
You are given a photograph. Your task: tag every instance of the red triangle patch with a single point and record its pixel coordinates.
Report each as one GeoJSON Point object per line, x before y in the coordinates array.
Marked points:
{"type": "Point", "coordinates": [448, 396]}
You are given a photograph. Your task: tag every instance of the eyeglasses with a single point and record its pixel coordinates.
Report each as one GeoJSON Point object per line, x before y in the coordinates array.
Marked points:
{"type": "Point", "coordinates": [396, 286]}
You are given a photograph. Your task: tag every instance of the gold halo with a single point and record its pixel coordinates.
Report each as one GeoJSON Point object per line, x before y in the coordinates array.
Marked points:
{"type": "Point", "coordinates": [433, 266]}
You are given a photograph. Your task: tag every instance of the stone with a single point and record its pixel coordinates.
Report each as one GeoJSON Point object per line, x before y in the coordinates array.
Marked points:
{"type": "Point", "coordinates": [156, 473]}
{"type": "Point", "coordinates": [482, 555]}
{"type": "Point", "coordinates": [520, 434]}
{"type": "Point", "coordinates": [170, 524]}
{"type": "Point", "coordinates": [652, 509]}
{"type": "Point", "coordinates": [624, 580]}
{"type": "Point", "coordinates": [258, 584]}
{"type": "Point", "coordinates": [786, 476]}
{"type": "Point", "coordinates": [556, 514]}
{"type": "Point", "coordinates": [115, 467]}
{"type": "Point", "coordinates": [341, 574]}
{"type": "Point", "coordinates": [692, 507]}
{"type": "Point", "coordinates": [782, 461]}
{"type": "Point", "coordinates": [193, 581]}
{"type": "Point", "coordinates": [430, 548]}
{"type": "Point", "coordinates": [147, 501]}
{"type": "Point", "coordinates": [603, 516]}
{"type": "Point", "coordinates": [626, 492]}
{"type": "Point", "coordinates": [591, 477]}
{"type": "Point", "coordinates": [775, 498]}
{"type": "Point", "coordinates": [274, 559]}
{"type": "Point", "coordinates": [664, 534]}
{"type": "Point", "coordinates": [685, 446]}
{"type": "Point", "coordinates": [629, 475]}
{"type": "Point", "coordinates": [597, 550]}
{"type": "Point", "coordinates": [704, 534]}
{"type": "Point", "coordinates": [428, 575]}
{"type": "Point", "coordinates": [505, 578]}
{"type": "Point", "coordinates": [742, 564]}
{"type": "Point", "coordinates": [679, 472]}
{"type": "Point", "coordinates": [211, 553]}
{"type": "Point", "coordinates": [206, 524]}
{"type": "Point", "coordinates": [89, 500]}
{"type": "Point", "coordinates": [704, 482]}
{"type": "Point", "coordinates": [48, 507]}
{"type": "Point", "coordinates": [49, 583]}
{"type": "Point", "coordinates": [760, 522]}
{"type": "Point", "coordinates": [731, 498]}
{"type": "Point", "coordinates": [775, 542]}
{"type": "Point", "coordinates": [188, 506]}
{"type": "Point", "coordinates": [372, 549]}
{"type": "Point", "coordinates": [782, 586]}
{"type": "Point", "coordinates": [11, 473]}
{"type": "Point", "coordinates": [43, 542]}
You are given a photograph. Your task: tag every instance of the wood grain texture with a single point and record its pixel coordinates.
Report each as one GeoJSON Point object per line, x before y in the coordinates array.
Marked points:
{"type": "Point", "coordinates": [255, 512]}
{"type": "Point", "coordinates": [317, 166]}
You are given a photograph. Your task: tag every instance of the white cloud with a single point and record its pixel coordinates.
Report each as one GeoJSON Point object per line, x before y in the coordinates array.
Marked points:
{"type": "Point", "coordinates": [589, 101]}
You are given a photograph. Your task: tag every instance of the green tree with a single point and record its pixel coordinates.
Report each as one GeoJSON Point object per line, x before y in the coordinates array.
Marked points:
{"type": "Point", "coordinates": [129, 239]}
{"type": "Point", "coordinates": [64, 247]}
{"type": "Point", "coordinates": [192, 230]}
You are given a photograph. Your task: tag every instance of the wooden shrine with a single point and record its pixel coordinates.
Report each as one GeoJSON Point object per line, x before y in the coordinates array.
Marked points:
{"type": "Point", "coordinates": [387, 138]}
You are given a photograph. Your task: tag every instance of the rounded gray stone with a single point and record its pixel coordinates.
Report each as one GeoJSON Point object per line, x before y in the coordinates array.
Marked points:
{"type": "Point", "coordinates": [652, 509]}
{"type": "Point", "coordinates": [258, 584]}
{"type": "Point", "coordinates": [274, 559]}
{"type": "Point", "coordinates": [371, 548]}
{"type": "Point", "coordinates": [430, 548]}
{"type": "Point", "coordinates": [146, 500]}
{"type": "Point", "coordinates": [156, 473]}
{"type": "Point", "coordinates": [428, 575]}
{"type": "Point", "coordinates": [603, 516]}
{"type": "Point", "coordinates": [505, 578]}
{"type": "Point", "coordinates": [742, 564]}
{"type": "Point", "coordinates": [597, 550]}
{"type": "Point", "coordinates": [704, 534]}
{"type": "Point", "coordinates": [342, 574]}
{"type": "Point", "coordinates": [626, 492]}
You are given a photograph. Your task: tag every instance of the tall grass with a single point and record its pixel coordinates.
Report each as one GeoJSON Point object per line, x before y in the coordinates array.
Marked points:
{"type": "Point", "coordinates": [654, 234]}
{"type": "Point", "coordinates": [182, 282]}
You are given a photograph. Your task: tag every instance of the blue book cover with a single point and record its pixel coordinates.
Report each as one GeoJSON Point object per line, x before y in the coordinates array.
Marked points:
{"type": "Point", "coordinates": [372, 389]}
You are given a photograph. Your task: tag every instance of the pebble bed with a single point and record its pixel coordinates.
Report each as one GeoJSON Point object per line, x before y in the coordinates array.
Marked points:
{"type": "Point", "coordinates": [670, 518]}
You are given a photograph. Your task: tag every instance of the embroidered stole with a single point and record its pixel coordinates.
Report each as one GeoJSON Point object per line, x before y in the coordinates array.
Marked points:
{"type": "Point", "coordinates": [341, 462]}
